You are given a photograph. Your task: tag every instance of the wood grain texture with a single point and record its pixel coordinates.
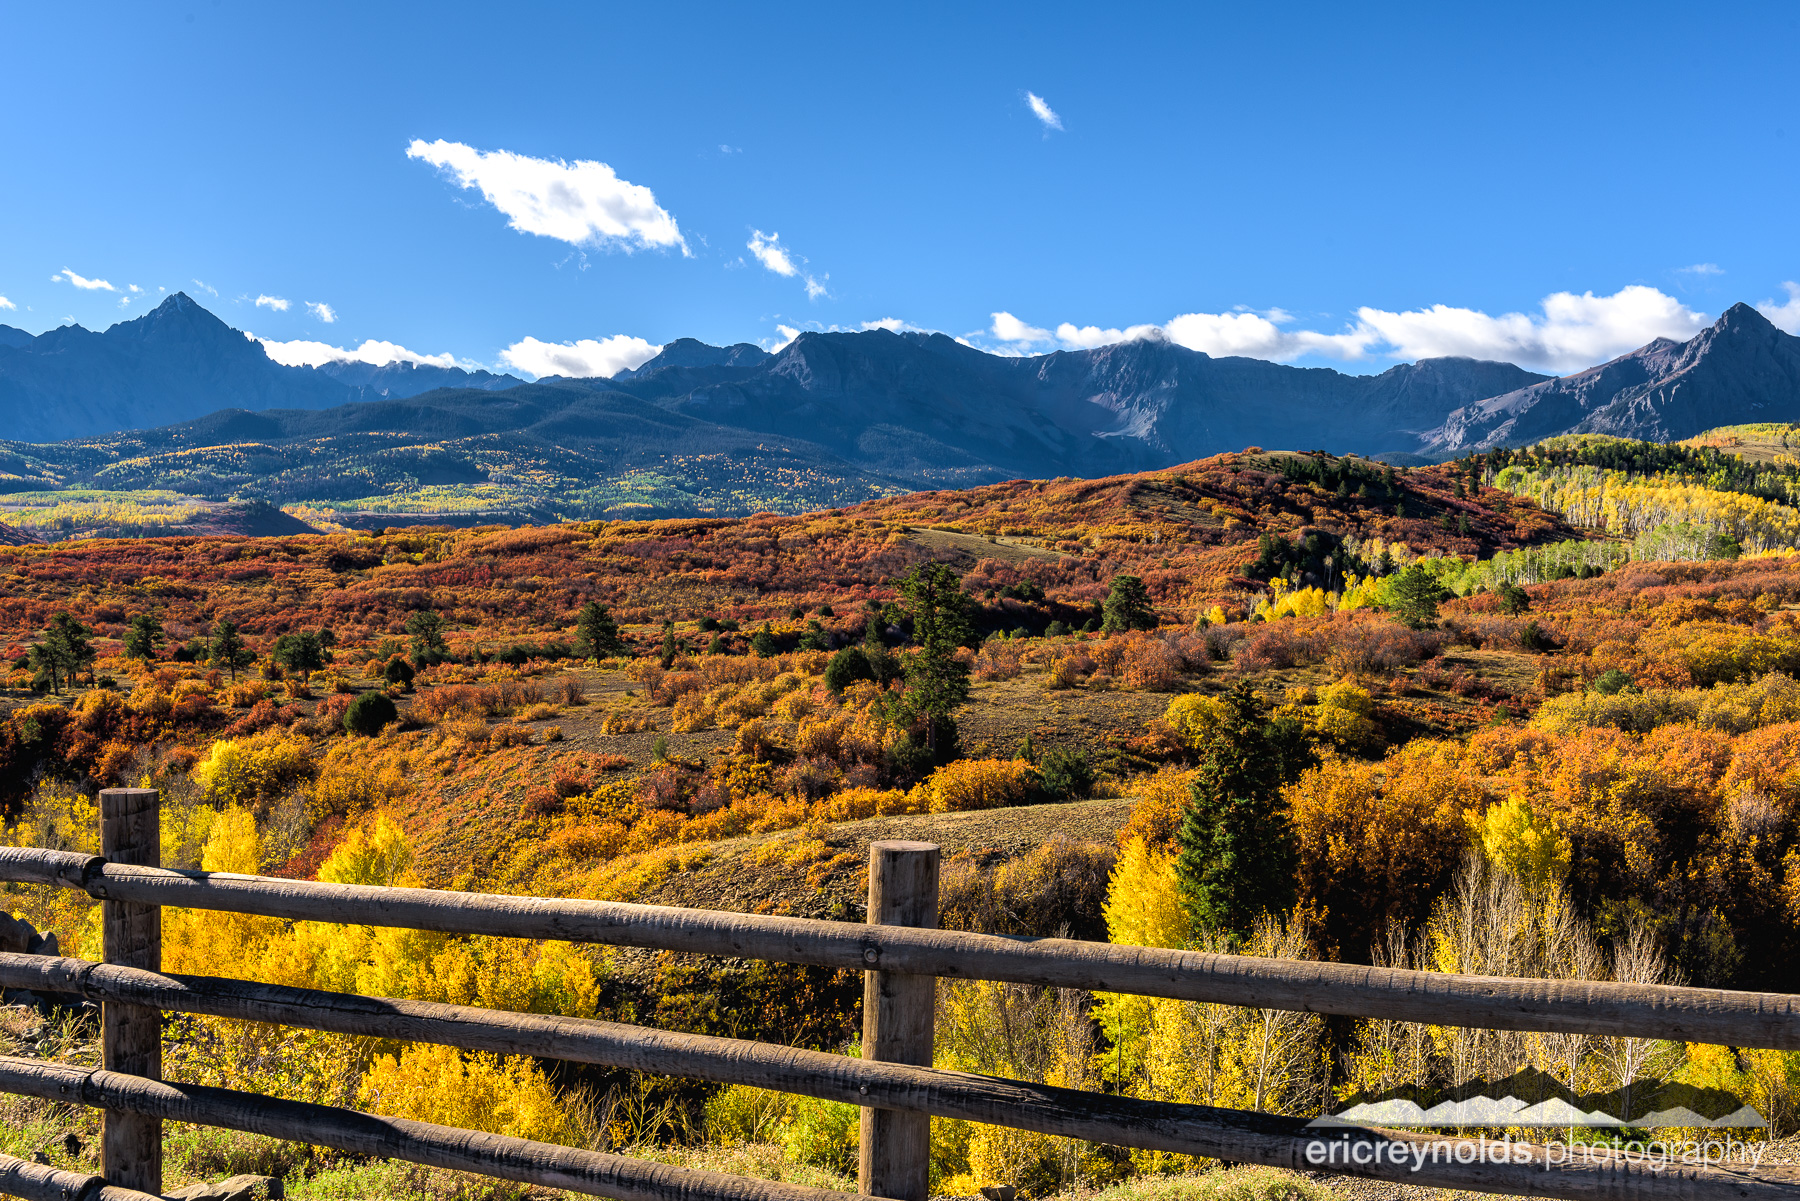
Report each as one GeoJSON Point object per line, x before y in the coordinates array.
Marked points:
{"type": "Point", "coordinates": [395, 1138]}
{"type": "Point", "coordinates": [1243, 1137]}
{"type": "Point", "coordinates": [899, 1022]}
{"type": "Point", "coordinates": [1742, 1019]}
{"type": "Point", "coordinates": [131, 1147]}
{"type": "Point", "coordinates": [37, 1182]}
{"type": "Point", "coordinates": [1120, 1121]}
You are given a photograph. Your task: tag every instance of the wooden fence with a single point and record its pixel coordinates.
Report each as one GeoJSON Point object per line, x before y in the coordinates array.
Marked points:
{"type": "Point", "coordinates": [900, 953]}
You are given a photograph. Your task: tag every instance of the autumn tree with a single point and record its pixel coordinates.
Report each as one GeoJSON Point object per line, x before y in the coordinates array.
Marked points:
{"type": "Point", "coordinates": [142, 637]}
{"type": "Point", "coordinates": [936, 683]}
{"type": "Point", "coordinates": [666, 656]}
{"type": "Point", "coordinates": [1127, 606]}
{"type": "Point", "coordinates": [596, 633]}
{"type": "Point", "coordinates": [1236, 859]}
{"type": "Point", "coordinates": [227, 648]}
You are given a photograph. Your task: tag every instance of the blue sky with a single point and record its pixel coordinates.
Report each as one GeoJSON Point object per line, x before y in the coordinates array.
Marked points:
{"type": "Point", "coordinates": [1303, 182]}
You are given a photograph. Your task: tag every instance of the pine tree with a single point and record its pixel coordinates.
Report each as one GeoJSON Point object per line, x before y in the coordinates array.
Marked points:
{"type": "Point", "coordinates": [1236, 858]}
{"type": "Point", "coordinates": [227, 648]}
{"type": "Point", "coordinates": [1413, 597]}
{"type": "Point", "coordinates": [597, 634]}
{"type": "Point", "coordinates": [1127, 606]}
{"type": "Point", "coordinates": [143, 637]}
{"type": "Point", "coordinates": [935, 682]}
{"type": "Point", "coordinates": [427, 630]}
{"type": "Point", "coordinates": [63, 652]}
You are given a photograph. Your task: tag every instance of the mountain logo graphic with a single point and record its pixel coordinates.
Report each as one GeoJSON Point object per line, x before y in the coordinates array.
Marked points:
{"type": "Point", "coordinates": [1510, 1111]}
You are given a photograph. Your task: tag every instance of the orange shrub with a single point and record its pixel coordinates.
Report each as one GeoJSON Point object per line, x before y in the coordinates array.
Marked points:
{"type": "Point", "coordinates": [998, 659]}
{"type": "Point", "coordinates": [975, 784]}
{"type": "Point", "coordinates": [1151, 666]}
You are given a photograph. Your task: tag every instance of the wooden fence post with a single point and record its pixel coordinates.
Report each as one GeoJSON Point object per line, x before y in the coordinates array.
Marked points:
{"type": "Point", "coordinates": [131, 1036]}
{"type": "Point", "coordinates": [899, 1021]}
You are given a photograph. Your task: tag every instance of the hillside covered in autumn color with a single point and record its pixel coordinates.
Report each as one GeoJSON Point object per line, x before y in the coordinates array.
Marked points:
{"type": "Point", "coordinates": [1533, 712]}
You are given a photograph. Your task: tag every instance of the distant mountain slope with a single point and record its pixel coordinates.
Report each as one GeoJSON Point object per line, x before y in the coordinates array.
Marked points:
{"type": "Point", "coordinates": [410, 379]}
{"type": "Point", "coordinates": [1741, 370]}
{"type": "Point", "coordinates": [917, 404]}
{"type": "Point", "coordinates": [173, 364]}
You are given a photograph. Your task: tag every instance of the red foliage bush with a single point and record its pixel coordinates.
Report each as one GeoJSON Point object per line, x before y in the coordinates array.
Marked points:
{"type": "Point", "coordinates": [1380, 647]}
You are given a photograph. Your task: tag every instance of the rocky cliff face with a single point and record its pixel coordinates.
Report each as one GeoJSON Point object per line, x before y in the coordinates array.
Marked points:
{"type": "Point", "coordinates": [175, 363]}
{"type": "Point", "coordinates": [1742, 369]}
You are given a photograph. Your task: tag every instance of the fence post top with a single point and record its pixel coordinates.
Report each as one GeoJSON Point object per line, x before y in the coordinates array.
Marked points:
{"type": "Point", "coordinates": [901, 847]}
{"type": "Point", "coordinates": [130, 792]}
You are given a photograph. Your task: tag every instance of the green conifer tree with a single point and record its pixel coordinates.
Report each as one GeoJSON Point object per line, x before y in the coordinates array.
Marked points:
{"type": "Point", "coordinates": [1236, 856]}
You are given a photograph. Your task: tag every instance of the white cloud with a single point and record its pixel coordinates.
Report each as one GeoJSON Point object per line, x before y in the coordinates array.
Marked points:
{"type": "Point", "coordinates": [134, 287]}
{"type": "Point", "coordinates": [1571, 332]}
{"type": "Point", "coordinates": [1009, 328]}
{"type": "Point", "coordinates": [7, 304]}
{"type": "Point", "coordinates": [1787, 316]}
{"type": "Point", "coordinates": [1258, 336]}
{"type": "Point", "coordinates": [581, 203]}
{"type": "Point", "coordinates": [586, 359]}
{"type": "Point", "coordinates": [322, 311]}
{"type": "Point", "coordinates": [80, 281]}
{"type": "Point", "coordinates": [778, 258]}
{"type": "Point", "coordinates": [1568, 333]}
{"type": "Point", "coordinates": [788, 334]}
{"type": "Point", "coordinates": [891, 324]}
{"type": "Point", "coordinates": [316, 354]}
{"type": "Point", "coordinates": [1041, 109]}
{"type": "Point", "coordinates": [771, 254]}
{"type": "Point", "coordinates": [272, 302]}
{"type": "Point", "coordinates": [204, 286]}
{"type": "Point", "coordinates": [1089, 337]}
{"type": "Point", "coordinates": [1701, 269]}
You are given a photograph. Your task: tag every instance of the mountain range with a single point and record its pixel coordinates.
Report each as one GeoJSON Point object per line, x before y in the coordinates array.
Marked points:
{"type": "Point", "coordinates": [829, 418]}
{"type": "Point", "coordinates": [175, 363]}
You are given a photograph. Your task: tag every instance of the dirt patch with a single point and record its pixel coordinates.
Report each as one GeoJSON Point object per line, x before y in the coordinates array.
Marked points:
{"type": "Point", "coordinates": [968, 549]}
{"type": "Point", "coordinates": [826, 876]}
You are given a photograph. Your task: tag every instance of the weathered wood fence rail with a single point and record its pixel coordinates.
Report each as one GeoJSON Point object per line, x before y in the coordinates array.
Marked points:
{"type": "Point", "coordinates": [894, 1083]}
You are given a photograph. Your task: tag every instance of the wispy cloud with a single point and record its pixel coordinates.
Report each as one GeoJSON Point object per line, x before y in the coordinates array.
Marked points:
{"type": "Point", "coordinates": [1787, 316]}
{"type": "Point", "coordinates": [788, 334]}
{"type": "Point", "coordinates": [1040, 108]}
{"type": "Point", "coordinates": [778, 258]}
{"type": "Point", "coordinates": [7, 304]}
{"type": "Point", "coordinates": [584, 203]}
{"type": "Point", "coordinates": [1702, 269]}
{"type": "Point", "coordinates": [769, 252]}
{"type": "Point", "coordinates": [585, 359]}
{"type": "Point", "coordinates": [81, 281]}
{"type": "Point", "coordinates": [272, 302]}
{"type": "Point", "coordinates": [302, 353]}
{"type": "Point", "coordinates": [1568, 332]}
{"type": "Point", "coordinates": [322, 311]}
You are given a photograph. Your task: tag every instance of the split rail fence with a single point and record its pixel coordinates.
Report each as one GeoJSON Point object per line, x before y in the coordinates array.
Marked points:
{"type": "Point", "coordinates": [900, 952]}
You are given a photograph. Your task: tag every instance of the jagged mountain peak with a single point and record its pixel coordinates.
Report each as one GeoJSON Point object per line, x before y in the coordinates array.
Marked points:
{"type": "Point", "coordinates": [1741, 369]}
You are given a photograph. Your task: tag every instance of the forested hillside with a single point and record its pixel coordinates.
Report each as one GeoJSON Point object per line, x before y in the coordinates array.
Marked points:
{"type": "Point", "coordinates": [1271, 703]}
